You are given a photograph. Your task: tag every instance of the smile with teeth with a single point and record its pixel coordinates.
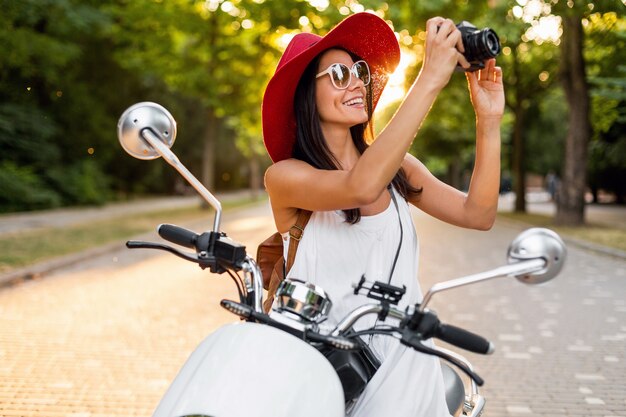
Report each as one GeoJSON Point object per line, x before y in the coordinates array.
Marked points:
{"type": "Point", "coordinates": [354, 101]}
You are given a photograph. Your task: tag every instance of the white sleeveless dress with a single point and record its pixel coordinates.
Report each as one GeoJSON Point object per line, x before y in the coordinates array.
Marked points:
{"type": "Point", "coordinates": [334, 254]}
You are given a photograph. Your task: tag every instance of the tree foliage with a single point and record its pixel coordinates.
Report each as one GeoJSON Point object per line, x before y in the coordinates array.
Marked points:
{"type": "Point", "coordinates": [604, 51]}
{"type": "Point", "coordinates": [44, 95]}
{"type": "Point", "coordinates": [70, 68]}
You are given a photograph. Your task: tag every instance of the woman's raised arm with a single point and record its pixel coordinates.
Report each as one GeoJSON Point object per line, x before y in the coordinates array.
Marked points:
{"type": "Point", "coordinates": [476, 209]}
{"type": "Point", "coordinates": [294, 184]}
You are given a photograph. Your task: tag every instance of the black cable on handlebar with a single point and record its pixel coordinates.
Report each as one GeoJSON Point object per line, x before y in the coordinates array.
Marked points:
{"type": "Point", "coordinates": [240, 287]}
{"type": "Point", "coordinates": [383, 331]}
{"type": "Point", "coordinates": [338, 342]}
{"type": "Point", "coordinates": [134, 244]}
{"type": "Point", "coordinates": [410, 340]}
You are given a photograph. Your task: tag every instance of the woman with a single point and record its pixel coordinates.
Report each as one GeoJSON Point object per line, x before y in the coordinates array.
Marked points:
{"type": "Point", "coordinates": [316, 114]}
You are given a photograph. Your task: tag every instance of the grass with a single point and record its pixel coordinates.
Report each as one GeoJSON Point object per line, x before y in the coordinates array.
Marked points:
{"type": "Point", "coordinates": [595, 233]}
{"type": "Point", "coordinates": [22, 249]}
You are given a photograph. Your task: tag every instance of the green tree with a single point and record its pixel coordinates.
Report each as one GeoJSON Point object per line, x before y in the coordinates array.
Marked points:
{"type": "Point", "coordinates": [446, 140]}
{"type": "Point", "coordinates": [43, 41]}
{"type": "Point", "coordinates": [530, 71]}
{"type": "Point", "coordinates": [605, 52]}
{"type": "Point", "coordinates": [571, 201]}
{"type": "Point", "coordinates": [572, 74]}
{"type": "Point", "coordinates": [220, 52]}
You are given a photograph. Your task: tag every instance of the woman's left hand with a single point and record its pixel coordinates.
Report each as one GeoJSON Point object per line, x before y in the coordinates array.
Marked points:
{"type": "Point", "coordinates": [487, 91]}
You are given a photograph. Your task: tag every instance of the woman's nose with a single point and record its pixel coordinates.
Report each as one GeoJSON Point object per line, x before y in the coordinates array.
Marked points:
{"type": "Point", "coordinates": [356, 82]}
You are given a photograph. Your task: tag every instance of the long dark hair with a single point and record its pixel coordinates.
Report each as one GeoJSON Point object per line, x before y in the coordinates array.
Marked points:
{"type": "Point", "coordinates": [311, 146]}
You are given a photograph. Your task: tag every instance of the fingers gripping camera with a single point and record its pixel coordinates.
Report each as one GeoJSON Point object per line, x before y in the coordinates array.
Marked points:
{"type": "Point", "coordinates": [480, 45]}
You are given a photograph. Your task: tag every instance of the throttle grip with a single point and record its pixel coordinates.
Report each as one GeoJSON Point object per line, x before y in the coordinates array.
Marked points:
{"type": "Point", "coordinates": [463, 339]}
{"type": "Point", "coordinates": [178, 235]}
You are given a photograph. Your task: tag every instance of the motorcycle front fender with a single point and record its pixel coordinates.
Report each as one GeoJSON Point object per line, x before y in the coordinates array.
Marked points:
{"type": "Point", "coordinates": [253, 370]}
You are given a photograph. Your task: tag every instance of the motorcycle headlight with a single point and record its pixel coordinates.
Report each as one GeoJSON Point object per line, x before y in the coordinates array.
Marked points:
{"type": "Point", "coordinates": [308, 301]}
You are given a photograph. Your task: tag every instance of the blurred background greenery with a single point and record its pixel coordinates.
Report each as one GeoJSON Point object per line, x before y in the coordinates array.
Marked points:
{"type": "Point", "coordinates": [69, 68]}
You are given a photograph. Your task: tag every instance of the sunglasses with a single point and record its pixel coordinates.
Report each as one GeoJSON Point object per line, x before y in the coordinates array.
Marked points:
{"type": "Point", "coordinates": [341, 75]}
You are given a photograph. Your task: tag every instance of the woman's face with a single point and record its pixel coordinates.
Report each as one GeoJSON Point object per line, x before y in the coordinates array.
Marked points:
{"type": "Point", "coordinates": [347, 107]}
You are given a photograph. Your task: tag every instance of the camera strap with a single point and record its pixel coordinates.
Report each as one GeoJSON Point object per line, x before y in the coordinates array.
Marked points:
{"type": "Point", "coordinates": [395, 259]}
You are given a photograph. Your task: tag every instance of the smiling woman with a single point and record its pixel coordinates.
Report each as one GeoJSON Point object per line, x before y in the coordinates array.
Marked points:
{"type": "Point", "coordinates": [317, 110]}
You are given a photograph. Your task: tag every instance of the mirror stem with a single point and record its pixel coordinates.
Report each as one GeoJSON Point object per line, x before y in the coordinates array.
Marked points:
{"type": "Point", "coordinates": [156, 143]}
{"type": "Point", "coordinates": [515, 269]}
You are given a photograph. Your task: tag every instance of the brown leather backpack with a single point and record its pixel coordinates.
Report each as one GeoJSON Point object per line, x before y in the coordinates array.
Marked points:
{"type": "Point", "coordinates": [270, 257]}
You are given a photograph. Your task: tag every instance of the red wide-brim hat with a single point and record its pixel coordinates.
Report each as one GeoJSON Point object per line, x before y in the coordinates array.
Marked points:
{"type": "Point", "coordinates": [363, 34]}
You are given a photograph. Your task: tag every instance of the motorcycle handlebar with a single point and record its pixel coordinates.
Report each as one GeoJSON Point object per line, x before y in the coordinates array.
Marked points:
{"type": "Point", "coordinates": [463, 339]}
{"type": "Point", "coordinates": [448, 333]}
{"type": "Point", "coordinates": [348, 321]}
{"type": "Point", "coordinates": [454, 335]}
{"type": "Point", "coordinates": [178, 235]}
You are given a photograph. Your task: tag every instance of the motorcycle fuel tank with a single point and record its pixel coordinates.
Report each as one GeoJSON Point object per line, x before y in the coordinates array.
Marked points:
{"type": "Point", "coordinates": [253, 370]}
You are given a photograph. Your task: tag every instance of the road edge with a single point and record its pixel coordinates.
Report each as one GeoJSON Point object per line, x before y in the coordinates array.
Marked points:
{"type": "Point", "coordinates": [41, 269]}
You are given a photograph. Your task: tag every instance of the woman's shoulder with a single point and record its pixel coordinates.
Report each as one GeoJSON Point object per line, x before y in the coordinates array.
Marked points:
{"type": "Point", "coordinates": [287, 164]}
{"type": "Point", "coordinates": [287, 168]}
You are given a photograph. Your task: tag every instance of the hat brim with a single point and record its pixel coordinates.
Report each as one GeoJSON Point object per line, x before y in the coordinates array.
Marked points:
{"type": "Point", "coordinates": [363, 34]}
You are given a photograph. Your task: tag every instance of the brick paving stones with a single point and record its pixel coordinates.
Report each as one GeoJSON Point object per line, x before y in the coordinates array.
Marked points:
{"type": "Point", "coordinates": [560, 346]}
{"type": "Point", "coordinates": [106, 337]}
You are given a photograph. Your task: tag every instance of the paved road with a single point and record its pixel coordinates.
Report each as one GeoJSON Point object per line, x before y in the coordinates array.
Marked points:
{"type": "Point", "coordinates": [104, 338]}
{"type": "Point", "coordinates": [560, 346]}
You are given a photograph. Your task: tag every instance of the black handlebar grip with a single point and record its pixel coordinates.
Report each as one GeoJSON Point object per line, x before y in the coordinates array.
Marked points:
{"type": "Point", "coordinates": [178, 235]}
{"type": "Point", "coordinates": [464, 339]}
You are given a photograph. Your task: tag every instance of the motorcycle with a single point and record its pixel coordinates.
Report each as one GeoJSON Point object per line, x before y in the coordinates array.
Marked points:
{"type": "Point", "coordinates": [287, 362]}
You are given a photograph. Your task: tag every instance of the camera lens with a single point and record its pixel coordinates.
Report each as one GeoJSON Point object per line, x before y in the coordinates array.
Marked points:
{"type": "Point", "coordinates": [492, 43]}
{"type": "Point", "coordinates": [482, 45]}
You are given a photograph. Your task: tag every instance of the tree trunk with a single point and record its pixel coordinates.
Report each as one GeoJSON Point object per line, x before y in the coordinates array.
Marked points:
{"type": "Point", "coordinates": [519, 165]}
{"type": "Point", "coordinates": [518, 146]}
{"type": "Point", "coordinates": [571, 196]}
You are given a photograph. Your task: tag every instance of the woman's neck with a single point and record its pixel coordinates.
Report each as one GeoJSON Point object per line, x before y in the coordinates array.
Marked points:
{"type": "Point", "coordinates": [339, 140]}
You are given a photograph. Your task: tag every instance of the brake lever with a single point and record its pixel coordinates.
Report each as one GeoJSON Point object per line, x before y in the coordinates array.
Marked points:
{"type": "Point", "coordinates": [136, 244]}
{"type": "Point", "coordinates": [203, 259]}
{"type": "Point", "coordinates": [410, 339]}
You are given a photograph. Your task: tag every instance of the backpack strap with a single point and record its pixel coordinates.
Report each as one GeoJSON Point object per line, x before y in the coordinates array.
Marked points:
{"type": "Point", "coordinates": [295, 234]}
{"type": "Point", "coordinates": [282, 266]}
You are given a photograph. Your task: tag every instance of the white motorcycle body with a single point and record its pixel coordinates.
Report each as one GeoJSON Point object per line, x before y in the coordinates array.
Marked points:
{"type": "Point", "coordinates": [249, 369]}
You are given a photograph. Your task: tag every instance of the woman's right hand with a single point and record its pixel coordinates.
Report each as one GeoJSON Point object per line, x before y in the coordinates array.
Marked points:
{"type": "Point", "coordinates": [443, 51]}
